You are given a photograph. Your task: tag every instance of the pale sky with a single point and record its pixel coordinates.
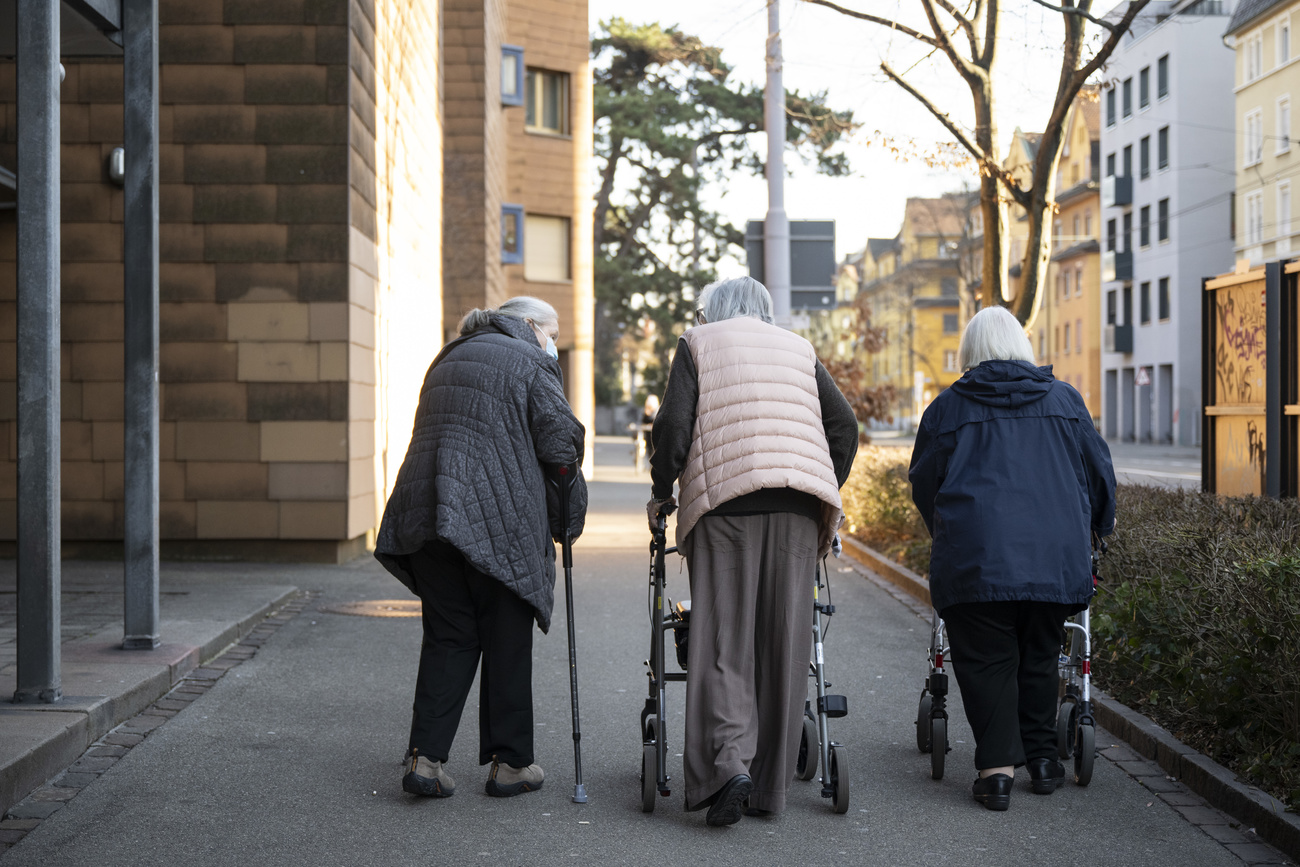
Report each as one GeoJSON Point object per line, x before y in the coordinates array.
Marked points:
{"type": "Point", "coordinates": [824, 50]}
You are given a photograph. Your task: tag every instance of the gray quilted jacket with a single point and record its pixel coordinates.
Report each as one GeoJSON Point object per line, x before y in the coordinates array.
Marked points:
{"type": "Point", "coordinates": [492, 420]}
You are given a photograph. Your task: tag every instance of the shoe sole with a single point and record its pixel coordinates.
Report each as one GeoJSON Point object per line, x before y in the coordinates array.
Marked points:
{"type": "Point", "coordinates": [997, 803]}
{"type": "Point", "coordinates": [729, 807]}
{"type": "Point", "coordinates": [497, 790]}
{"type": "Point", "coordinates": [414, 784]}
{"type": "Point", "coordinates": [1046, 787]}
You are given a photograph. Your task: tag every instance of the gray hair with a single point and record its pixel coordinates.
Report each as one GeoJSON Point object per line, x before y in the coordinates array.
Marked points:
{"type": "Point", "coordinates": [520, 307]}
{"type": "Point", "coordinates": [739, 296]}
{"type": "Point", "coordinates": [993, 333]}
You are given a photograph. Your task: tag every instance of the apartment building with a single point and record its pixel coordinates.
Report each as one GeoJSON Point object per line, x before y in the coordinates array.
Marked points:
{"type": "Point", "coordinates": [341, 180]}
{"type": "Point", "coordinates": [1168, 174]}
{"type": "Point", "coordinates": [1266, 75]}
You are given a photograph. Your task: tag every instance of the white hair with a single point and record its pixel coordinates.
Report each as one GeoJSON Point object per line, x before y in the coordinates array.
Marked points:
{"type": "Point", "coordinates": [520, 307]}
{"type": "Point", "coordinates": [739, 296]}
{"type": "Point", "coordinates": [993, 333]}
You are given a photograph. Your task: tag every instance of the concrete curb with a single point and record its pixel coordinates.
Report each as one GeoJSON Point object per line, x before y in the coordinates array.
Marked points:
{"type": "Point", "coordinates": [1213, 782]}
{"type": "Point", "coordinates": [54, 751]}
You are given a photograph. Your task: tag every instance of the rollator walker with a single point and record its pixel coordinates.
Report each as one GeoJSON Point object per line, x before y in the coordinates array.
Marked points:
{"type": "Point", "coordinates": [1076, 730]}
{"type": "Point", "coordinates": [815, 745]}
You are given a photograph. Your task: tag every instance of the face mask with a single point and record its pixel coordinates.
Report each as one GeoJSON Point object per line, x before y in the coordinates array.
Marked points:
{"type": "Point", "coordinates": [551, 350]}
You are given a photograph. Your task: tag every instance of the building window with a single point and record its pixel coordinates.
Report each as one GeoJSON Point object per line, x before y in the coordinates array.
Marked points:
{"type": "Point", "coordinates": [1144, 157]}
{"type": "Point", "coordinates": [1110, 307]}
{"type": "Point", "coordinates": [1254, 218]}
{"type": "Point", "coordinates": [1078, 335]}
{"type": "Point", "coordinates": [1063, 284]}
{"type": "Point", "coordinates": [1283, 124]}
{"type": "Point", "coordinates": [546, 249]}
{"type": "Point", "coordinates": [1087, 223]}
{"type": "Point", "coordinates": [1254, 56]}
{"type": "Point", "coordinates": [1162, 299]}
{"type": "Point", "coordinates": [950, 323]}
{"type": "Point", "coordinates": [1284, 216]}
{"type": "Point", "coordinates": [1127, 304]}
{"type": "Point", "coordinates": [1162, 77]}
{"type": "Point", "coordinates": [512, 75]}
{"type": "Point", "coordinates": [1110, 165]}
{"type": "Point", "coordinates": [1162, 220]}
{"type": "Point", "coordinates": [1056, 234]}
{"type": "Point", "coordinates": [1144, 226]}
{"type": "Point", "coordinates": [1128, 161]}
{"type": "Point", "coordinates": [1162, 148]}
{"type": "Point", "coordinates": [547, 102]}
{"type": "Point", "coordinates": [1067, 338]}
{"type": "Point", "coordinates": [950, 361]}
{"type": "Point", "coordinates": [1144, 303]}
{"type": "Point", "coordinates": [1144, 87]}
{"type": "Point", "coordinates": [1254, 137]}
{"type": "Point", "coordinates": [1128, 97]}
{"type": "Point", "coordinates": [1110, 107]}
{"type": "Point", "coordinates": [948, 287]}
{"type": "Point", "coordinates": [1110, 235]}
{"type": "Point", "coordinates": [512, 234]}
{"type": "Point", "coordinates": [1042, 344]}
{"type": "Point", "coordinates": [1283, 41]}
{"type": "Point", "coordinates": [1127, 232]}
{"type": "Point", "coordinates": [1078, 279]}
{"type": "Point", "coordinates": [1074, 239]}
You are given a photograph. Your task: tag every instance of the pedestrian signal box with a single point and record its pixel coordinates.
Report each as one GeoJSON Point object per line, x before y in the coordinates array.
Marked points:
{"type": "Point", "coordinates": [812, 261]}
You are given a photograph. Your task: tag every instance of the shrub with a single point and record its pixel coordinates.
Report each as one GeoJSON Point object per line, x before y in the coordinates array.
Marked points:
{"type": "Point", "coordinates": [878, 507]}
{"type": "Point", "coordinates": [1192, 626]}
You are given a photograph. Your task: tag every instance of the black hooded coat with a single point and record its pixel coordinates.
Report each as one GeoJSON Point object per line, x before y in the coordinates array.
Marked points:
{"type": "Point", "coordinates": [1012, 480]}
{"type": "Point", "coordinates": [491, 425]}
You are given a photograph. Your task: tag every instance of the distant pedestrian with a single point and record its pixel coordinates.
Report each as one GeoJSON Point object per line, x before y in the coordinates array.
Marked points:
{"type": "Point", "coordinates": [650, 409]}
{"type": "Point", "coordinates": [760, 440]}
{"type": "Point", "coordinates": [469, 529]}
{"type": "Point", "coordinates": [1013, 480]}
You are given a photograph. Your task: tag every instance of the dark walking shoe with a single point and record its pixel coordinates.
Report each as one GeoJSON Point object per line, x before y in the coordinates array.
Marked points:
{"type": "Point", "coordinates": [728, 804]}
{"type": "Point", "coordinates": [757, 812]}
{"type": "Point", "coordinates": [424, 777]}
{"type": "Point", "coordinates": [1045, 775]}
{"type": "Point", "coordinates": [504, 781]}
{"type": "Point", "coordinates": [994, 791]}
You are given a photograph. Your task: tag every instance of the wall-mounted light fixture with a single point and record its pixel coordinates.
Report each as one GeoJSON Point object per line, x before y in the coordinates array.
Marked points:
{"type": "Point", "coordinates": [117, 166]}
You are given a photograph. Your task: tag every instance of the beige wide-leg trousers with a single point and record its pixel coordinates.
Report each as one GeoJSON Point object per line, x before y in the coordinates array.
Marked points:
{"type": "Point", "coordinates": [750, 642]}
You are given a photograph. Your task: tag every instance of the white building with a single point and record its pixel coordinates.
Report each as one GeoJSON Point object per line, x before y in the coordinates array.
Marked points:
{"type": "Point", "coordinates": [1168, 174]}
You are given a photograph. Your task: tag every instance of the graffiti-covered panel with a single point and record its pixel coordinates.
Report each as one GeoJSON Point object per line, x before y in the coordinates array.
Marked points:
{"type": "Point", "coordinates": [1239, 354]}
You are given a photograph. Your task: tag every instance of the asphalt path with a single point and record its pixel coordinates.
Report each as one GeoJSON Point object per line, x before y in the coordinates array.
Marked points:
{"type": "Point", "coordinates": [295, 756]}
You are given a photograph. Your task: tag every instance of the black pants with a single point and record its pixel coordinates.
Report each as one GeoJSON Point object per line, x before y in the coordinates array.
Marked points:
{"type": "Point", "coordinates": [1004, 655]}
{"type": "Point", "coordinates": [467, 613]}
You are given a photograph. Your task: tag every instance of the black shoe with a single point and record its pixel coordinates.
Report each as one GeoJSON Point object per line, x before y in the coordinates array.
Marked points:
{"type": "Point", "coordinates": [756, 812]}
{"type": "Point", "coordinates": [1045, 775]}
{"type": "Point", "coordinates": [728, 804]}
{"type": "Point", "coordinates": [994, 792]}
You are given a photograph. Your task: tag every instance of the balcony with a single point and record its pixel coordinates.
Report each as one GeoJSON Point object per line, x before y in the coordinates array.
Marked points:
{"type": "Point", "coordinates": [1116, 266]}
{"type": "Point", "coordinates": [1118, 338]}
{"type": "Point", "coordinates": [1116, 190]}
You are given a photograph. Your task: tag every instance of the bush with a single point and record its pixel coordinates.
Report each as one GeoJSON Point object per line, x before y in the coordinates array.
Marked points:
{"type": "Point", "coordinates": [878, 507]}
{"type": "Point", "coordinates": [1192, 626]}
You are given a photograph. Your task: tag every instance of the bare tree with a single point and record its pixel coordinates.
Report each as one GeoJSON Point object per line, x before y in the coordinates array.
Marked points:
{"type": "Point", "coordinates": [966, 33]}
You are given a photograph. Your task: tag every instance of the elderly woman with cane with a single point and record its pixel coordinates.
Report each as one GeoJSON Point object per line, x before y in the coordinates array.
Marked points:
{"type": "Point", "coordinates": [1013, 481]}
{"type": "Point", "coordinates": [469, 529]}
{"type": "Point", "coordinates": [760, 440]}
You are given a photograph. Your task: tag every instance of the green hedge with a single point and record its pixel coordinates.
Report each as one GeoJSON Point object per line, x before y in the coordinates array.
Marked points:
{"type": "Point", "coordinates": [1196, 620]}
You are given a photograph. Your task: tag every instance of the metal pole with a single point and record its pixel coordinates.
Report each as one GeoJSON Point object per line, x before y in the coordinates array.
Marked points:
{"type": "Point", "coordinates": [140, 129]}
{"type": "Point", "coordinates": [39, 533]}
{"type": "Point", "coordinates": [776, 228]}
{"type": "Point", "coordinates": [1273, 392]}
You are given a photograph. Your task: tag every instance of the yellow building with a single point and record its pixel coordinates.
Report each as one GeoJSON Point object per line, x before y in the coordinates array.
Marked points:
{"type": "Point", "coordinates": [1067, 333]}
{"type": "Point", "coordinates": [913, 285]}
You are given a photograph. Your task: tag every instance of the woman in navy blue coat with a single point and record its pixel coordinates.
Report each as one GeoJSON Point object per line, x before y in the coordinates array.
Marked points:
{"type": "Point", "coordinates": [1012, 480]}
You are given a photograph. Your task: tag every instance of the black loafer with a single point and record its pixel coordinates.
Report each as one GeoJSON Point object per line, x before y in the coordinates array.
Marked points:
{"type": "Point", "coordinates": [757, 812]}
{"type": "Point", "coordinates": [994, 792]}
{"type": "Point", "coordinates": [1045, 775]}
{"type": "Point", "coordinates": [729, 804]}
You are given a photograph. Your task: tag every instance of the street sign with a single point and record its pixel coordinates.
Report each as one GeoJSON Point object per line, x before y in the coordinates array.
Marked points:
{"type": "Point", "coordinates": [1142, 378]}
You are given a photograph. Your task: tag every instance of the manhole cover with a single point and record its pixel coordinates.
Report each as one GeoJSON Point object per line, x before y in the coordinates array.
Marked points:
{"type": "Point", "coordinates": [377, 608]}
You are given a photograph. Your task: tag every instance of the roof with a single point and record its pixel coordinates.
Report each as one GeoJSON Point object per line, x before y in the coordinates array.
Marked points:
{"type": "Point", "coordinates": [1089, 104]}
{"type": "Point", "coordinates": [945, 215]}
{"type": "Point", "coordinates": [880, 246]}
{"type": "Point", "coordinates": [1248, 10]}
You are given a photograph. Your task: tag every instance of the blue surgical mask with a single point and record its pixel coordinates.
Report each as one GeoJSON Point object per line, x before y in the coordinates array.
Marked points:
{"type": "Point", "coordinates": [551, 349]}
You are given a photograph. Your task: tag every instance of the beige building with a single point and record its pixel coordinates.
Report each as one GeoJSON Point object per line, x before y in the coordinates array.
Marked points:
{"type": "Point", "coordinates": [341, 180]}
{"type": "Point", "coordinates": [1266, 80]}
{"type": "Point", "coordinates": [1067, 332]}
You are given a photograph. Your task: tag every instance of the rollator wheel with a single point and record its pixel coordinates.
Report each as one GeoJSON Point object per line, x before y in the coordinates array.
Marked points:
{"type": "Point", "coordinates": [1065, 729]}
{"type": "Point", "coordinates": [809, 748]}
{"type": "Point", "coordinates": [1085, 750]}
{"type": "Point", "coordinates": [839, 774]}
{"type": "Point", "coordinates": [938, 746]}
{"type": "Point", "coordinates": [649, 769]}
{"type": "Point", "coordinates": [650, 734]}
{"type": "Point", "coordinates": [923, 723]}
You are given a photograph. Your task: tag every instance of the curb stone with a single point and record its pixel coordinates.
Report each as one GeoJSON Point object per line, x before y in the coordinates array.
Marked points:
{"type": "Point", "coordinates": [1157, 760]}
{"type": "Point", "coordinates": [26, 815]}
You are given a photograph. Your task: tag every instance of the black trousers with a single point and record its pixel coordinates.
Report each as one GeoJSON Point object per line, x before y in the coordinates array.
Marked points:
{"type": "Point", "coordinates": [467, 615]}
{"type": "Point", "coordinates": [1004, 655]}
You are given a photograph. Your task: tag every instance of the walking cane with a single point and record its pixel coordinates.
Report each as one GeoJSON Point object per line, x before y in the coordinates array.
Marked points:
{"type": "Point", "coordinates": [567, 475]}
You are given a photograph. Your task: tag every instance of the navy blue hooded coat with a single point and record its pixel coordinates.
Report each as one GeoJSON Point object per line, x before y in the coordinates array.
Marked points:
{"type": "Point", "coordinates": [1012, 479]}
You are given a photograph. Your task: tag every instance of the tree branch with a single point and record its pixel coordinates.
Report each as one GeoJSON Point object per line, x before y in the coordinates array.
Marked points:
{"type": "Point", "coordinates": [963, 22]}
{"type": "Point", "coordinates": [1108, 48]}
{"type": "Point", "coordinates": [876, 19]}
{"type": "Point", "coordinates": [965, 67]}
{"type": "Point", "coordinates": [944, 119]}
{"type": "Point", "coordinates": [1074, 10]}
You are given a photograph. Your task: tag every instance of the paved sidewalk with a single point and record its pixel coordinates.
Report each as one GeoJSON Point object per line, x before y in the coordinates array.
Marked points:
{"type": "Point", "coordinates": [287, 750]}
